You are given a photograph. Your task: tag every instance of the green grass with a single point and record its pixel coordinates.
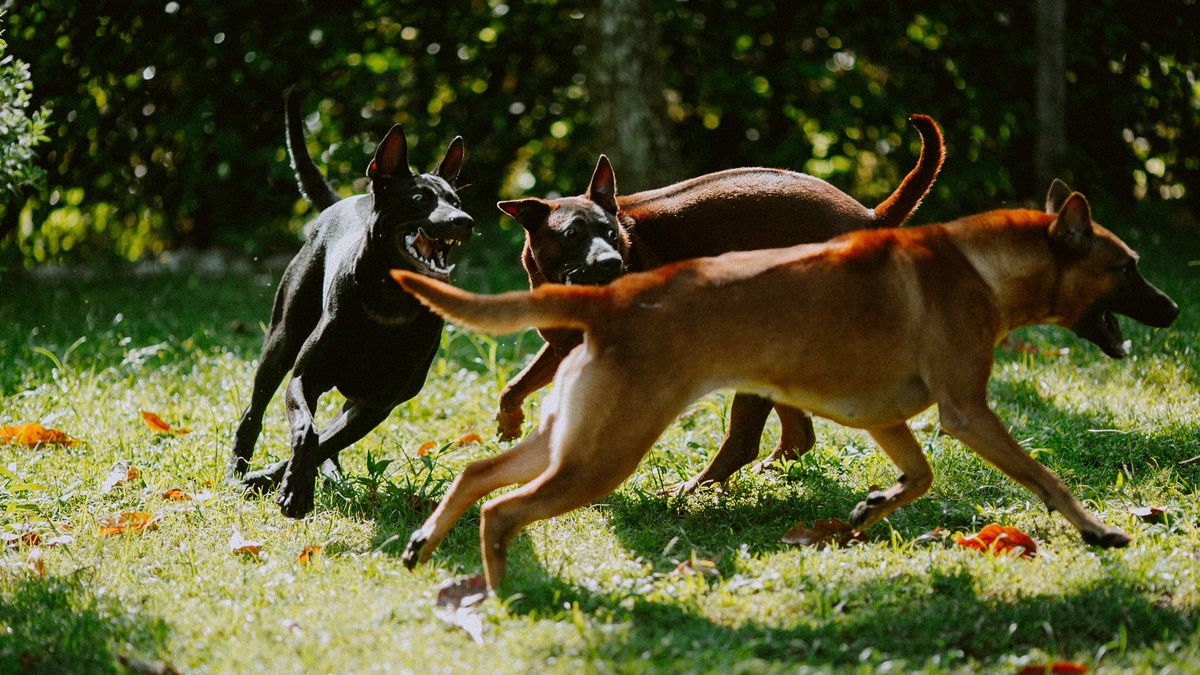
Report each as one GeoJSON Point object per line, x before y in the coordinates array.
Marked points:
{"type": "Point", "coordinates": [595, 589]}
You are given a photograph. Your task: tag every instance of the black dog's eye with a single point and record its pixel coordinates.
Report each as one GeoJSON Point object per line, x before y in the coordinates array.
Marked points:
{"type": "Point", "coordinates": [570, 232]}
{"type": "Point", "coordinates": [419, 197]}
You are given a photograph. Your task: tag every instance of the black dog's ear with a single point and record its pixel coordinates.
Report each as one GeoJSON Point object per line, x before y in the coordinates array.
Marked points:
{"type": "Point", "coordinates": [1072, 229]}
{"type": "Point", "coordinates": [1057, 196]}
{"type": "Point", "coordinates": [391, 157]}
{"type": "Point", "coordinates": [450, 165]}
{"type": "Point", "coordinates": [531, 213]}
{"type": "Point", "coordinates": [603, 188]}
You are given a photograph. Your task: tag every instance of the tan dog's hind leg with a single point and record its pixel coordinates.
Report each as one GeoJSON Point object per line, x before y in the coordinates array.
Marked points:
{"type": "Point", "coordinates": [915, 476]}
{"type": "Point", "coordinates": [520, 463]}
{"type": "Point", "coordinates": [796, 437]}
{"type": "Point", "coordinates": [978, 427]}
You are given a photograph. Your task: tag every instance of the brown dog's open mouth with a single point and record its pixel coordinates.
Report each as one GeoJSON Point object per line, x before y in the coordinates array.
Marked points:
{"type": "Point", "coordinates": [1101, 327]}
{"type": "Point", "coordinates": [429, 253]}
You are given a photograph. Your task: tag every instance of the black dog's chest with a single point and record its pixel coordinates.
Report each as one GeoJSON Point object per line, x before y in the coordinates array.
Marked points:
{"type": "Point", "coordinates": [383, 362]}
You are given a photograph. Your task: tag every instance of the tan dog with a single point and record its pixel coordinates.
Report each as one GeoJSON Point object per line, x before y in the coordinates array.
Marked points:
{"type": "Point", "coordinates": [868, 330]}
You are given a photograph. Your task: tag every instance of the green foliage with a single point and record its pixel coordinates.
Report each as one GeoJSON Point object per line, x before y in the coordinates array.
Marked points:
{"type": "Point", "coordinates": [171, 118]}
{"type": "Point", "coordinates": [20, 130]}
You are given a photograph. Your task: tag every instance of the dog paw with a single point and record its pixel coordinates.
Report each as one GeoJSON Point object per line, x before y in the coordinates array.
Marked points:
{"type": "Point", "coordinates": [1107, 538]}
{"type": "Point", "coordinates": [685, 488]}
{"type": "Point", "coordinates": [508, 424]}
{"type": "Point", "coordinates": [295, 503]}
{"type": "Point", "coordinates": [862, 514]}
{"type": "Point", "coordinates": [264, 480]}
{"type": "Point", "coordinates": [412, 552]}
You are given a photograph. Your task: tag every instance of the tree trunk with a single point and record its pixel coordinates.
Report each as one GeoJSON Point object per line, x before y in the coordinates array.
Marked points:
{"type": "Point", "coordinates": [1051, 144]}
{"type": "Point", "coordinates": [625, 89]}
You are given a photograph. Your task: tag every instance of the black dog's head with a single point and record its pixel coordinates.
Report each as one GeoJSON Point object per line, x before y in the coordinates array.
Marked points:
{"type": "Point", "coordinates": [418, 217]}
{"type": "Point", "coordinates": [1099, 276]}
{"type": "Point", "coordinates": [575, 240]}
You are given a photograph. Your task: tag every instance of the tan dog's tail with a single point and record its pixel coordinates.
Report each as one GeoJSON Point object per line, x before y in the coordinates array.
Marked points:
{"type": "Point", "coordinates": [893, 211]}
{"type": "Point", "coordinates": [547, 306]}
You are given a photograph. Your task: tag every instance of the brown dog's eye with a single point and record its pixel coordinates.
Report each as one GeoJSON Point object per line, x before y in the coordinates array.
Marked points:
{"type": "Point", "coordinates": [612, 235]}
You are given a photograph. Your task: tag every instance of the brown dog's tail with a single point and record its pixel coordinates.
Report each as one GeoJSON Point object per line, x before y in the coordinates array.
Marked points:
{"type": "Point", "coordinates": [547, 306]}
{"type": "Point", "coordinates": [893, 211]}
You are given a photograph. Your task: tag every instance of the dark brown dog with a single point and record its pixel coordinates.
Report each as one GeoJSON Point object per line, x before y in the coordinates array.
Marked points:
{"type": "Point", "coordinates": [868, 330]}
{"type": "Point", "coordinates": [594, 238]}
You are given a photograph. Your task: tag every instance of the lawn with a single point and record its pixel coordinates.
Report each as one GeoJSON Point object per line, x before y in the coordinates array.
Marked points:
{"type": "Point", "coordinates": [623, 585]}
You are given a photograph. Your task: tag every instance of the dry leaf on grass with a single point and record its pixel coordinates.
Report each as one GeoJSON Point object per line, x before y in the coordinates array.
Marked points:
{"type": "Point", "coordinates": [122, 472]}
{"type": "Point", "coordinates": [128, 521]}
{"type": "Point", "coordinates": [468, 439]}
{"type": "Point", "coordinates": [823, 533]}
{"type": "Point", "coordinates": [34, 434]}
{"type": "Point", "coordinates": [425, 448]}
{"type": "Point", "coordinates": [176, 495]}
{"type": "Point", "coordinates": [1000, 539]}
{"type": "Point", "coordinates": [1063, 667]}
{"type": "Point", "coordinates": [458, 604]}
{"type": "Point", "coordinates": [27, 538]}
{"type": "Point", "coordinates": [240, 544]}
{"type": "Point", "coordinates": [308, 553]}
{"type": "Point", "coordinates": [36, 562]}
{"type": "Point", "coordinates": [936, 534]}
{"type": "Point", "coordinates": [157, 424]}
{"type": "Point", "coordinates": [1149, 514]}
{"type": "Point", "coordinates": [697, 566]}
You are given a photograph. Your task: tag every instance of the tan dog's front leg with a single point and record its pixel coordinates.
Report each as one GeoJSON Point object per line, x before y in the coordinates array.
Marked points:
{"type": "Point", "coordinates": [915, 476]}
{"type": "Point", "coordinates": [978, 427]}
{"type": "Point", "coordinates": [536, 375]}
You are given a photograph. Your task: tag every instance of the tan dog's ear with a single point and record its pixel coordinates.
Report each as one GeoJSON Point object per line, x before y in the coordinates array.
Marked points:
{"type": "Point", "coordinates": [1072, 229]}
{"type": "Point", "coordinates": [1057, 196]}
{"type": "Point", "coordinates": [531, 213]}
{"type": "Point", "coordinates": [603, 188]}
{"type": "Point", "coordinates": [391, 157]}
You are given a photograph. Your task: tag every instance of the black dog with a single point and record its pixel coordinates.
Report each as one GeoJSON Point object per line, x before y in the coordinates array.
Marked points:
{"type": "Point", "coordinates": [340, 321]}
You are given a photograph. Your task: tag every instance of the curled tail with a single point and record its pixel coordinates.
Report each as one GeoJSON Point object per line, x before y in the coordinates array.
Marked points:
{"type": "Point", "coordinates": [547, 306]}
{"type": "Point", "coordinates": [312, 184]}
{"type": "Point", "coordinates": [893, 211]}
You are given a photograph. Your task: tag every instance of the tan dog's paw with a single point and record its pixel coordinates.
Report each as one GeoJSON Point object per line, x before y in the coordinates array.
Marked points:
{"type": "Point", "coordinates": [1110, 537]}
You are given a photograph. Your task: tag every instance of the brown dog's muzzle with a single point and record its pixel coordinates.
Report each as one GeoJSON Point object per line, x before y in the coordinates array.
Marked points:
{"type": "Point", "coordinates": [1137, 299]}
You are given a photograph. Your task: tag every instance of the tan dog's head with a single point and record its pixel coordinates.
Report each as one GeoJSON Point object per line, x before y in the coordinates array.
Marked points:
{"type": "Point", "coordinates": [1099, 276]}
{"type": "Point", "coordinates": [575, 240]}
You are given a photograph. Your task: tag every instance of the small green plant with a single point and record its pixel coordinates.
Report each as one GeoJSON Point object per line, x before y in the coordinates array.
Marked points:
{"type": "Point", "coordinates": [21, 130]}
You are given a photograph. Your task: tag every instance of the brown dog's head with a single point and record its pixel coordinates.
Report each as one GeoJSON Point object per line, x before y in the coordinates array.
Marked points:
{"type": "Point", "coordinates": [575, 240]}
{"type": "Point", "coordinates": [1099, 276]}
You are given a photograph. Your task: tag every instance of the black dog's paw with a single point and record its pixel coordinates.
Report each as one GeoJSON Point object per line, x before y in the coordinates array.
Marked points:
{"type": "Point", "coordinates": [861, 515]}
{"type": "Point", "coordinates": [1108, 538]}
{"type": "Point", "coordinates": [412, 552]}
{"type": "Point", "coordinates": [295, 503]}
{"type": "Point", "coordinates": [263, 481]}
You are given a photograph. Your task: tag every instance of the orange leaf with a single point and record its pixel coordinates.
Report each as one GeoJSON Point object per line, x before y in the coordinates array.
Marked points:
{"type": "Point", "coordinates": [36, 562]}
{"type": "Point", "coordinates": [121, 472]}
{"type": "Point", "coordinates": [157, 424]}
{"type": "Point", "coordinates": [128, 521]}
{"type": "Point", "coordinates": [1056, 667]}
{"type": "Point", "coordinates": [468, 439]}
{"type": "Point", "coordinates": [240, 544]}
{"type": "Point", "coordinates": [29, 538]}
{"type": "Point", "coordinates": [1000, 539]}
{"type": "Point", "coordinates": [1149, 514]}
{"type": "Point", "coordinates": [33, 434]}
{"type": "Point", "coordinates": [308, 553]}
{"type": "Point", "coordinates": [828, 531]}
{"type": "Point", "coordinates": [176, 495]}
{"type": "Point", "coordinates": [425, 448]}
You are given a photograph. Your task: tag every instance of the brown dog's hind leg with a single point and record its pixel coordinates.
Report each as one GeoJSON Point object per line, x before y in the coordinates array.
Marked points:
{"type": "Point", "coordinates": [979, 428]}
{"type": "Point", "coordinates": [747, 416]}
{"type": "Point", "coordinates": [520, 463]}
{"type": "Point", "coordinates": [796, 437]}
{"type": "Point", "coordinates": [915, 476]}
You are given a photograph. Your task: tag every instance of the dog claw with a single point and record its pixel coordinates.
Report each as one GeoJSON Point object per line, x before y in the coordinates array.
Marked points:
{"type": "Point", "coordinates": [1111, 538]}
{"type": "Point", "coordinates": [876, 498]}
{"type": "Point", "coordinates": [412, 552]}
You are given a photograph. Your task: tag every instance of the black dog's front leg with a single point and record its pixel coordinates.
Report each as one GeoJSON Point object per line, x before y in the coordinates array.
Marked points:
{"type": "Point", "coordinates": [296, 492]}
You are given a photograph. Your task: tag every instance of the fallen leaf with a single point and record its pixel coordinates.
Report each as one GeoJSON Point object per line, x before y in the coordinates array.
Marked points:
{"type": "Point", "coordinates": [240, 544]}
{"type": "Point", "coordinates": [128, 521]}
{"type": "Point", "coordinates": [457, 604]}
{"type": "Point", "coordinates": [1000, 539]}
{"type": "Point", "coordinates": [1056, 667]}
{"type": "Point", "coordinates": [1149, 514]}
{"type": "Point", "coordinates": [697, 566]}
{"type": "Point", "coordinates": [425, 448]}
{"type": "Point", "coordinates": [27, 538]}
{"type": "Point", "coordinates": [36, 562]}
{"type": "Point", "coordinates": [308, 553]}
{"type": "Point", "coordinates": [33, 434]}
{"type": "Point", "coordinates": [176, 495]}
{"type": "Point", "coordinates": [823, 532]}
{"type": "Point", "coordinates": [468, 439]}
{"type": "Point", "coordinates": [120, 473]}
{"type": "Point", "coordinates": [58, 540]}
{"type": "Point", "coordinates": [157, 424]}
{"type": "Point", "coordinates": [936, 534]}
{"type": "Point", "coordinates": [140, 667]}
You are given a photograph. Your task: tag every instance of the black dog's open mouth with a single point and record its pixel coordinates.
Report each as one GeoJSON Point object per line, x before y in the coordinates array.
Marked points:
{"type": "Point", "coordinates": [428, 253]}
{"type": "Point", "coordinates": [1101, 327]}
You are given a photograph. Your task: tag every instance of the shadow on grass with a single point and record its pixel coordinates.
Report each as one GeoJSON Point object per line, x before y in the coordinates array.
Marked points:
{"type": "Point", "coordinates": [55, 625]}
{"type": "Point", "coordinates": [942, 616]}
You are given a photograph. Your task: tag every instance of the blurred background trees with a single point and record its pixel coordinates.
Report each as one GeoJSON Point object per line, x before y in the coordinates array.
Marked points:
{"type": "Point", "coordinates": [167, 119]}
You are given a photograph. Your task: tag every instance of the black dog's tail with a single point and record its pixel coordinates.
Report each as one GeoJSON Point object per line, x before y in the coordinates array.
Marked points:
{"type": "Point", "coordinates": [312, 184]}
{"type": "Point", "coordinates": [893, 211]}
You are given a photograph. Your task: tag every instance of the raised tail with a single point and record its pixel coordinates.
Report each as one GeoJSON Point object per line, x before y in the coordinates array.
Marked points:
{"type": "Point", "coordinates": [893, 211]}
{"type": "Point", "coordinates": [312, 184]}
{"type": "Point", "coordinates": [547, 306]}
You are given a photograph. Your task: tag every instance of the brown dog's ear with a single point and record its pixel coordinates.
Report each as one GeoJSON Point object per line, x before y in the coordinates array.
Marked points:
{"type": "Point", "coordinates": [1072, 229]}
{"type": "Point", "coordinates": [452, 163]}
{"type": "Point", "coordinates": [603, 188]}
{"type": "Point", "coordinates": [531, 213]}
{"type": "Point", "coordinates": [1057, 196]}
{"type": "Point", "coordinates": [391, 157]}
